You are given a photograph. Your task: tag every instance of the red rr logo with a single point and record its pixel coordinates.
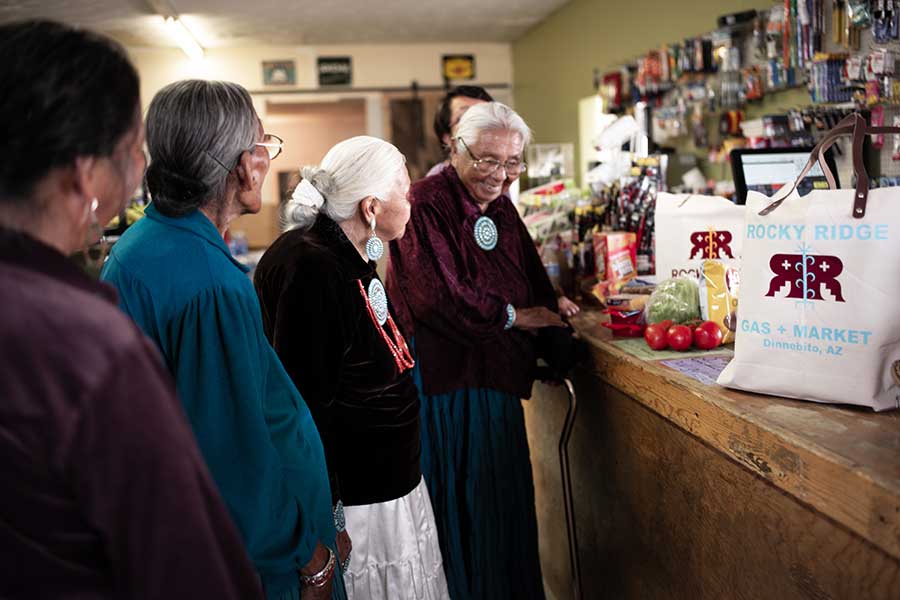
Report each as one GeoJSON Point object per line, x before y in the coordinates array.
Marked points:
{"type": "Point", "coordinates": [806, 274]}
{"type": "Point", "coordinates": [711, 244]}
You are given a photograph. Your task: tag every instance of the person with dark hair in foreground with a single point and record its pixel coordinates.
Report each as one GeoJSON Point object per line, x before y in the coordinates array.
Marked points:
{"type": "Point", "coordinates": [453, 106]}
{"type": "Point", "coordinates": [105, 494]}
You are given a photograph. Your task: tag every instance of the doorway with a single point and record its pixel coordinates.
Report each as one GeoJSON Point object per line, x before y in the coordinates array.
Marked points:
{"type": "Point", "coordinates": [309, 129]}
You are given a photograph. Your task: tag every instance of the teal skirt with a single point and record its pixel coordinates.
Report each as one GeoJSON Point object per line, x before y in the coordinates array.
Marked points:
{"type": "Point", "coordinates": [476, 463]}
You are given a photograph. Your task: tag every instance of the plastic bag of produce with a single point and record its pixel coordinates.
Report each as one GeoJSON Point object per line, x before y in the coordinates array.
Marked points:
{"type": "Point", "coordinates": [719, 286]}
{"type": "Point", "coordinates": [675, 299]}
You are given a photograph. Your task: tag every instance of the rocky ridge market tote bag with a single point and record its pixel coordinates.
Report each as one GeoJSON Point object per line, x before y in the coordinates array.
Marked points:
{"type": "Point", "coordinates": [691, 228]}
{"type": "Point", "coordinates": [819, 314]}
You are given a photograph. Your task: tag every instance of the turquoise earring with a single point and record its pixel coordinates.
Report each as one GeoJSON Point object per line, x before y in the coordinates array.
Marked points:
{"type": "Point", "coordinates": [374, 245]}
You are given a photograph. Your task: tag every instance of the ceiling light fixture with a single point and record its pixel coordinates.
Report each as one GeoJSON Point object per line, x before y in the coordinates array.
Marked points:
{"type": "Point", "coordinates": [185, 39]}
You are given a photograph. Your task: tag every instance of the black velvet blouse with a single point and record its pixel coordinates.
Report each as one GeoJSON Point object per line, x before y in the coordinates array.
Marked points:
{"type": "Point", "coordinates": [317, 320]}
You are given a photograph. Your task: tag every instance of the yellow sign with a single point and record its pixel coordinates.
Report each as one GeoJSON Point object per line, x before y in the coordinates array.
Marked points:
{"type": "Point", "coordinates": [459, 66]}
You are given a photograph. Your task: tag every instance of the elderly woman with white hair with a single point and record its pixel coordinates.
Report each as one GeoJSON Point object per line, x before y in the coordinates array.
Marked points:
{"type": "Point", "coordinates": [177, 279]}
{"type": "Point", "coordinates": [327, 315]}
{"type": "Point", "coordinates": [473, 292]}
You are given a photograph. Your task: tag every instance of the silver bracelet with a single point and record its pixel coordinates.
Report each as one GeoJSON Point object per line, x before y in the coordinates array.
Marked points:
{"type": "Point", "coordinates": [340, 522]}
{"type": "Point", "coordinates": [321, 578]}
{"type": "Point", "coordinates": [510, 317]}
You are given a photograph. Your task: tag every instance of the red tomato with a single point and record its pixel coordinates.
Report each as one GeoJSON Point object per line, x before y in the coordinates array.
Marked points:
{"type": "Point", "coordinates": [666, 324]}
{"type": "Point", "coordinates": [708, 335]}
{"type": "Point", "coordinates": [692, 325]}
{"type": "Point", "coordinates": [655, 336]}
{"type": "Point", "coordinates": [679, 337]}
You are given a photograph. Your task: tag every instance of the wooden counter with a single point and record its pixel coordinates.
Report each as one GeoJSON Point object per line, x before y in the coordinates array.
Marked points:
{"type": "Point", "coordinates": [685, 490]}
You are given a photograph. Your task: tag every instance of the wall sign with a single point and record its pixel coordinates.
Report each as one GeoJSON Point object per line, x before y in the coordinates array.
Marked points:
{"type": "Point", "coordinates": [459, 66]}
{"type": "Point", "coordinates": [335, 70]}
{"type": "Point", "coordinates": [279, 72]}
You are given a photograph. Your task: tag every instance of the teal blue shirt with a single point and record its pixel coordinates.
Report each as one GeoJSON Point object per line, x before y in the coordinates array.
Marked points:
{"type": "Point", "coordinates": [177, 279]}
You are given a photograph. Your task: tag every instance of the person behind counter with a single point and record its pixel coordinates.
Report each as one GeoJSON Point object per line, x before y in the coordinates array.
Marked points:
{"type": "Point", "coordinates": [471, 289]}
{"type": "Point", "coordinates": [178, 281]}
{"type": "Point", "coordinates": [105, 493]}
{"type": "Point", "coordinates": [327, 315]}
{"type": "Point", "coordinates": [453, 106]}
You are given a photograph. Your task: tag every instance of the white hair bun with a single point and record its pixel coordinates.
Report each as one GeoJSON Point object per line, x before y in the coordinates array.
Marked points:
{"type": "Point", "coordinates": [306, 194]}
{"type": "Point", "coordinates": [320, 178]}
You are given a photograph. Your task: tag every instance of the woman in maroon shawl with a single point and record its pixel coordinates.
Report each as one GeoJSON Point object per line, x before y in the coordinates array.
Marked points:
{"type": "Point", "coordinates": [471, 291]}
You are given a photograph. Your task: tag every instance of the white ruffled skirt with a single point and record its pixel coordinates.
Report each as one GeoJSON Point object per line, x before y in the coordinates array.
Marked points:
{"type": "Point", "coordinates": [395, 550]}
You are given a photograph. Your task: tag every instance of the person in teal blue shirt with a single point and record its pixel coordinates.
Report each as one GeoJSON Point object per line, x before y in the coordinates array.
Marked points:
{"type": "Point", "coordinates": [178, 281]}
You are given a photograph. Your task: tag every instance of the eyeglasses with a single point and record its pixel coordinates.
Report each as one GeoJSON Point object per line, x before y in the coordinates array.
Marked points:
{"type": "Point", "coordinates": [486, 166]}
{"type": "Point", "coordinates": [273, 145]}
{"type": "Point", "coordinates": [271, 142]}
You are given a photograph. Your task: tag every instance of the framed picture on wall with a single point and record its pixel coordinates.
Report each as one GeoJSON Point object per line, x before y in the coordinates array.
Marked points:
{"type": "Point", "coordinates": [279, 72]}
{"type": "Point", "coordinates": [458, 66]}
{"type": "Point", "coordinates": [335, 70]}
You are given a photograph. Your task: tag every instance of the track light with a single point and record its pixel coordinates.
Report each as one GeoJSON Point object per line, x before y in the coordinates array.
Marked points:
{"type": "Point", "coordinates": [185, 39]}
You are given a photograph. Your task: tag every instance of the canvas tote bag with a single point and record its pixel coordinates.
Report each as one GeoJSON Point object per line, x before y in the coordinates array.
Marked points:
{"type": "Point", "coordinates": [691, 228]}
{"type": "Point", "coordinates": [819, 314]}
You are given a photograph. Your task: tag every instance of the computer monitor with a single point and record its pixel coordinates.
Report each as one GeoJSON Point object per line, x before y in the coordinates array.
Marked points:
{"type": "Point", "coordinates": [765, 170]}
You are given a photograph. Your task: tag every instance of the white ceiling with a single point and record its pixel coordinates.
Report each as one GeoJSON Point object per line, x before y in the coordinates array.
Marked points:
{"type": "Point", "coordinates": [237, 23]}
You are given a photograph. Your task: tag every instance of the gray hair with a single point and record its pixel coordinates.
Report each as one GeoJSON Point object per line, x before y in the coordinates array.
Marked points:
{"type": "Point", "coordinates": [491, 116]}
{"type": "Point", "coordinates": [351, 171]}
{"type": "Point", "coordinates": [196, 132]}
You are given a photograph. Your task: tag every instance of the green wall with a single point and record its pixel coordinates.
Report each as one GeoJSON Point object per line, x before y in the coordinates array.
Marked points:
{"type": "Point", "coordinates": [553, 63]}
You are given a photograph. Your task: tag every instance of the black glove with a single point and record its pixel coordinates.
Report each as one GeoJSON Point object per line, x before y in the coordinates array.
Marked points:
{"type": "Point", "coordinates": [561, 350]}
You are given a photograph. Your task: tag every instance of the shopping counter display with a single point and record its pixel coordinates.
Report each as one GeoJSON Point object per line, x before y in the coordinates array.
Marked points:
{"type": "Point", "coordinates": [685, 489]}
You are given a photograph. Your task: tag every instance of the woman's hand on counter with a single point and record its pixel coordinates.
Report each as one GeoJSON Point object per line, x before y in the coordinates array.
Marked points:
{"type": "Point", "coordinates": [567, 308]}
{"type": "Point", "coordinates": [536, 317]}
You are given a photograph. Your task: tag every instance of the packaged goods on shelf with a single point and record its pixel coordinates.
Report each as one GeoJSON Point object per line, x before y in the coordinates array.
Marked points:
{"type": "Point", "coordinates": [615, 256]}
{"type": "Point", "coordinates": [548, 212]}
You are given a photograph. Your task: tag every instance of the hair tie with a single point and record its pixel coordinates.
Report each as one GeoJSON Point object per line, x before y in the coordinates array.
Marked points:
{"type": "Point", "coordinates": [163, 181]}
{"type": "Point", "coordinates": [306, 193]}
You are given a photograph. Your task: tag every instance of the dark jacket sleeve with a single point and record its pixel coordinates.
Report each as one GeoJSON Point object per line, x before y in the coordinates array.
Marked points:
{"type": "Point", "coordinates": [311, 336]}
{"type": "Point", "coordinates": [556, 345]}
{"type": "Point", "coordinates": [254, 430]}
{"type": "Point", "coordinates": [137, 470]}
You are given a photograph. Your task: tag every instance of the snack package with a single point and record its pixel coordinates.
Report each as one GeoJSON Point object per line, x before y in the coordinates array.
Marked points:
{"type": "Point", "coordinates": [719, 285]}
{"type": "Point", "coordinates": [600, 291]}
{"type": "Point", "coordinates": [676, 299]}
{"type": "Point", "coordinates": [628, 302]}
{"type": "Point", "coordinates": [615, 257]}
